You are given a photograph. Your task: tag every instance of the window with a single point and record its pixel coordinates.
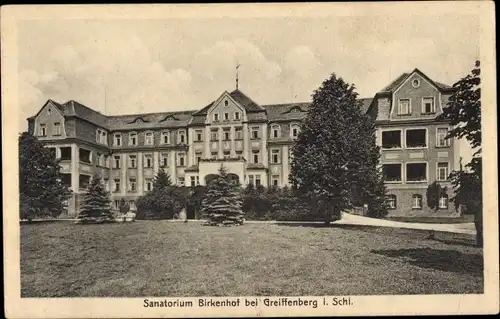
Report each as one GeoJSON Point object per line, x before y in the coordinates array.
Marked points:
{"type": "Point", "coordinates": [56, 129]}
{"type": "Point", "coordinates": [99, 159]}
{"type": "Point", "coordinates": [416, 172]}
{"type": "Point", "coordinates": [66, 179]}
{"type": "Point", "coordinates": [181, 159]}
{"type": "Point", "coordinates": [443, 201]}
{"type": "Point", "coordinates": [227, 134]}
{"type": "Point", "coordinates": [105, 182]}
{"type": "Point", "coordinates": [43, 130]}
{"type": "Point", "coordinates": [132, 139]}
{"type": "Point", "coordinates": [132, 205]}
{"type": "Point", "coordinates": [65, 153]}
{"type": "Point", "coordinates": [256, 157]}
{"type": "Point", "coordinates": [84, 155]}
{"type": "Point", "coordinates": [239, 154]}
{"type": "Point", "coordinates": [164, 160]}
{"type": "Point", "coordinates": [275, 156]}
{"type": "Point", "coordinates": [392, 172]}
{"type": "Point", "coordinates": [214, 135]}
{"type": "Point", "coordinates": [251, 179]}
{"type": "Point", "coordinates": [181, 181]}
{"type": "Point", "coordinates": [238, 131]}
{"type": "Point", "coordinates": [181, 137]}
{"type": "Point", "coordinates": [442, 171]}
{"type": "Point", "coordinates": [428, 105]}
{"type": "Point", "coordinates": [415, 83]}
{"type": "Point", "coordinates": [237, 116]}
{"type": "Point", "coordinates": [197, 158]}
{"type": "Point", "coordinates": [215, 155]}
{"type": "Point", "coordinates": [391, 139]}
{"type": "Point", "coordinates": [195, 180]}
{"type": "Point", "coordinates": [148, 160]}
{"type": "Point", "coordinates": [255, 132]}
{"type": "Point", "coordinates": [104, 138]}
{"type": "Point", "coordinates": [148, 184]}
{"type": "Point", "coordinates": [98, 136]}
{"type": "Point", "coordinates": [294, 130]}
{"type": "Point", "coordinates": [117, 140]}
{"type": "Point", "coordinates": [391, 201]}
{"type": "Point", "coordinates": [416, 138]}
{"type": "Point", "coordinates": [226, 103]}
{"type": "Point", "coordinates": [216, 117]}
{"type": "Point", "coordinates": [227, 155]}
{"type": "Point", "coordinates": [165, 137]}
{"type": "Point", "coordinates": [149, 139]}
{"type": "Point", "coordinates": [198, 135]}
{"type": "Point", "coordinates": [275, 180]}
{"type": "Point", "coordinates": [117, 186]}
{"type": "Point", "coordinates": [116, 161]}
{"type": "Point", "coordinates": [404, 107]}
{"type": "Point", "coordinates": [441, 140]}
{"type": "Point", "coordinates": [83, 181]}
{"type": "Point", "coordinates": [226, 116]}
{"type": "Point", "coordinates": [132, 184]}
{"type": "Point", "coordinates": [275, 131]}
{"type": "Point", "coordinates": [257, 180]}
{"type": "Point", "coordinates": [132, 161]}
{"type": "Point", "coordinates": [416, 201]}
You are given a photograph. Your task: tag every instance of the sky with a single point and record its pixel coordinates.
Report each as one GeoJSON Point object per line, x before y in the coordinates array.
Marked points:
{"type": "Point", "coordinates": [155, 65]}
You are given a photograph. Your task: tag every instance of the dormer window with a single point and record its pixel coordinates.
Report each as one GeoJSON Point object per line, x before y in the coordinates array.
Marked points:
{"type": "Point", "coordinates": [148, 140]}
{"type": "Point", "coordinates": [165, 137]}
{"type": "Point", "coordinates": [275, 131]}
{"type": "Point", "coordinates": [404, 107]}
{"type": "Point", "coordinates": [428, 106]}
{"type": "Point", "coordinates": [117, 140]}
{"type": "Point", "coordinates": [132, 139]}
{"type": "Point", "coordinates": [43, 130]}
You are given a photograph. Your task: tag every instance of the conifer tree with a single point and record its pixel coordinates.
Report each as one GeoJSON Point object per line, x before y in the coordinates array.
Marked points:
{"type": "Point", "coordinates": [335, 156]}
{"type": "Point", "coordinates": [222, 203]}
{"type": "Point", "coordinates": [95, 206]}
{"type": "Point", "coordinates": [41, 189]}
{"type": "Point", "coordinates": [161, 180]}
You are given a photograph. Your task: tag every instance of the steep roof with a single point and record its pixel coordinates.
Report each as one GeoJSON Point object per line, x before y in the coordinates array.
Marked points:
{"type": "Point", "coordinates": [73, 108]}
{"type": "Point", "coordinates": [365, 104]}
{"type": "Point", "coordinates": [286, 112]}
{"type": "Point", "coordinates": [150, 120]}
{"type": "Point", "coordinates": [400, 79]}
{"type": "Point", "coordinates": [245, 101]}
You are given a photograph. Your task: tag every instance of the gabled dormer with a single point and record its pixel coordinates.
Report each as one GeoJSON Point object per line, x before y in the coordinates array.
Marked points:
{"type": "Point", "coordinates": [225, 110]}
{"type": "Point", "coordinates": [139, 119]}
{"type": "Point", "coordinates": [294, 109]}
{"type": "Point", "coordinates": [49, 122]}
{"type": "Point", "coordinates": [411, 96]}
{"type": "Point", "coordinates": [170, 117]}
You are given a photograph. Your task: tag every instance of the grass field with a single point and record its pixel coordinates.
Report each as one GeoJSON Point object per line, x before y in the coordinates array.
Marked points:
{"type": "Point", "coordinates": [160, 258]}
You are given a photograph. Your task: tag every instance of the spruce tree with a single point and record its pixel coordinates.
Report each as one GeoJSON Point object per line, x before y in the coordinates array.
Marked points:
{"type": "Point", "coordinates": [222, 203]}
{"type": "Point", "coordinates": [95, 206]}
{"type": "Point", "coordinates": [335, 156]}
{"type": "Point", "coordinates": [161, 180]}
{"type": "Point", "coordinates": [41, 189]}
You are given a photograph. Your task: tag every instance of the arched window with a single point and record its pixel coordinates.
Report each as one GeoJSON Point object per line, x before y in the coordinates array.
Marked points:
{"type": "Point", "coordinates": [181, 137]}
{"type": "Point", "coordinates": [117, 141]}
{"type": "Point", "coordinates": [416, 201]}
{"type": "Point", "coordinates": [443, 201]}
{"type": "Point", "coordinates": [392, 201]}
{"type": "Point", "coordinates": [148, 138]}
{"type": "Point", "coordinates": [132, 138]}
{"type": "Point", "coordinates": [165, 137]}
{"type": "Point", "coordinates": [275, 131]}
{"type": "Point", "coordinates": [294, 130]}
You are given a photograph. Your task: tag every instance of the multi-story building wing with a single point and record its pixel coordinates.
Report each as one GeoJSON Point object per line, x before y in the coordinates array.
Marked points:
{"type": "Point", "coordinates": [252, 141]}
{"type": "Point", "coordinates": [414, 151]}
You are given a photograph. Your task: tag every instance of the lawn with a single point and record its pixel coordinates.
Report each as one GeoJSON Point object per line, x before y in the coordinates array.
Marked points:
{"type": "Point", "coordinates": [161, 258]}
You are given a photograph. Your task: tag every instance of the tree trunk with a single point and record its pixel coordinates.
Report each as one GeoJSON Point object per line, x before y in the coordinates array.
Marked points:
{"type": "Point", "coordinates": [478, 222]}
{"type": "Point", "coordinates": [328, 215]}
